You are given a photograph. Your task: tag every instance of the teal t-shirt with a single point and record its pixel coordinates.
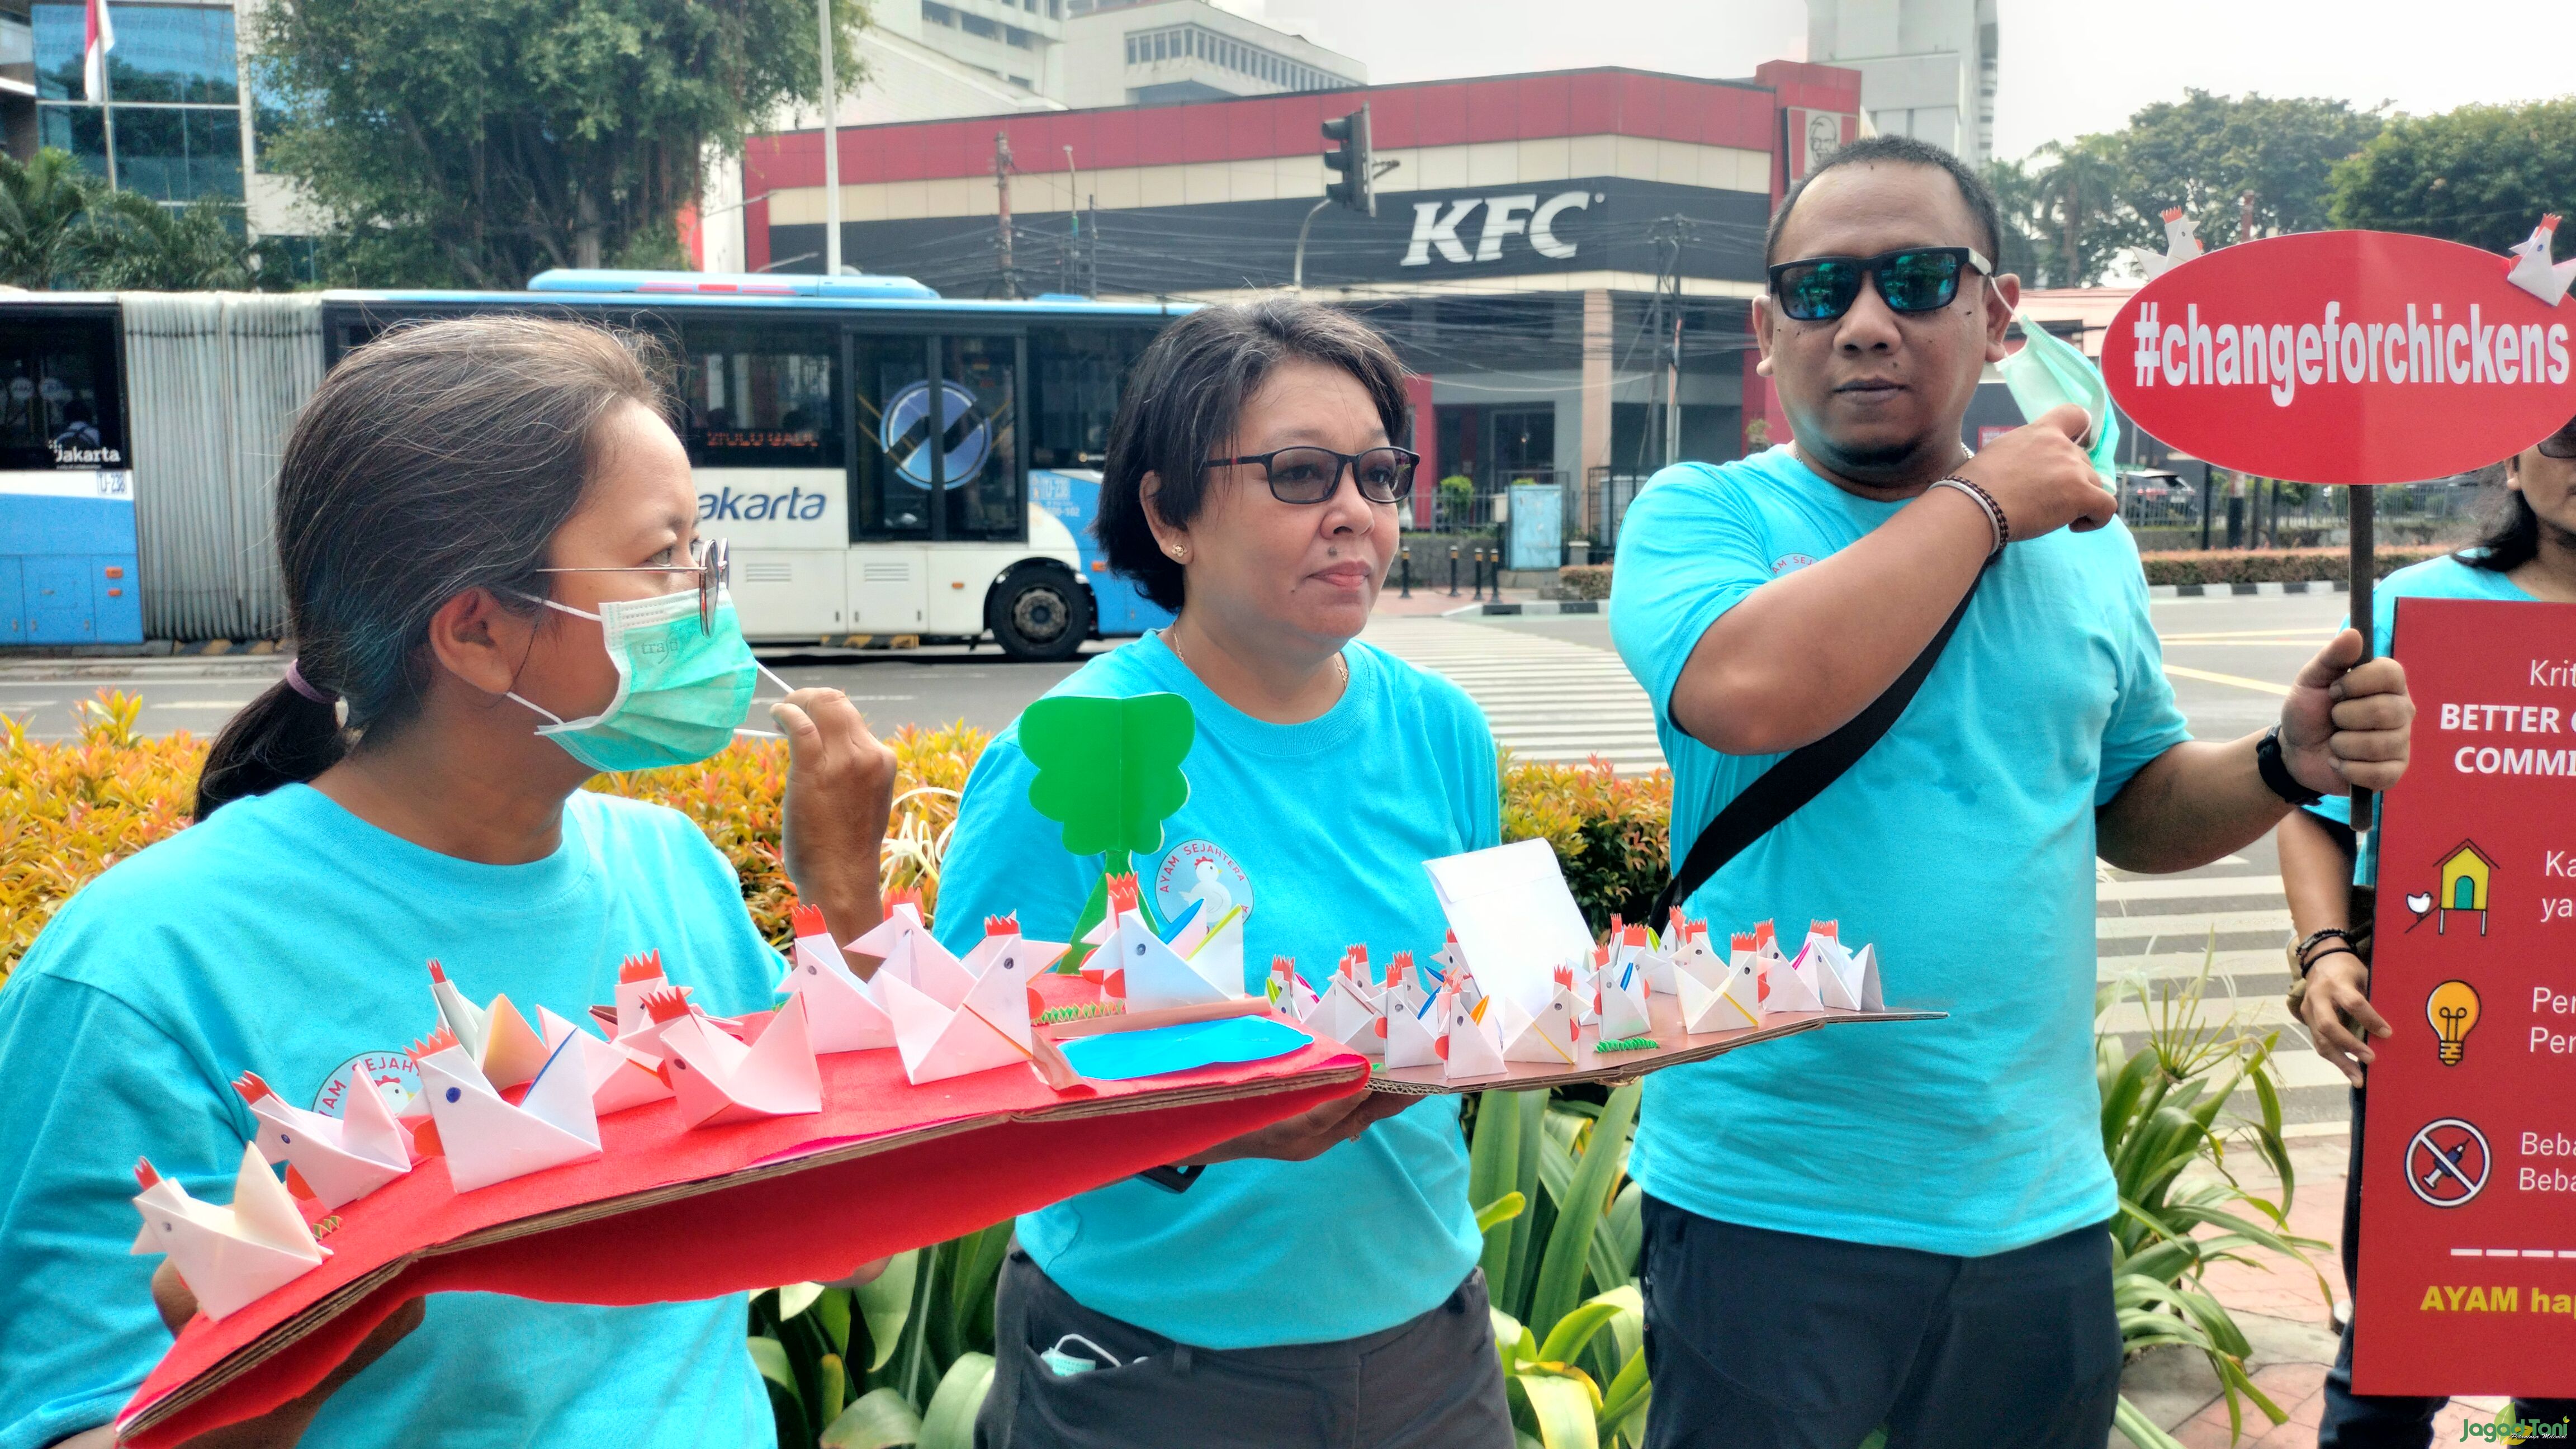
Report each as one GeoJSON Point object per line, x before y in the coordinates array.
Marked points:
{"type": "Point", "coordinates": [1961, 846]}
{"type": "Point", "coordinates": [2445, 577]}
{"type": "Point", "coordinates": [288, 937]}
{"type": "Point", "coordinates": [1324, 825]}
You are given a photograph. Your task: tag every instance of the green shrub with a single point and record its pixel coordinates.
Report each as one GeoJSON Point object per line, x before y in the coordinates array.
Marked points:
{"type": "Point", "coordinates": [2271, 565]}
{"type": "Point", "coordinates": [1584, 581]}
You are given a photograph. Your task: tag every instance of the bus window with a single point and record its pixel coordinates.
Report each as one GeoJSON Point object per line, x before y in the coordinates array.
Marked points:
{"type": "Point", "coordinates": [890, 480]}
{"type": "Point", "coordinates": [759, 397]}
{"type": "Point", "coordinates": [980, 452]}
{"type": "Point", "coordinates": [1077, 374]}
{"type": "Point", "coordinates": [59, 406]}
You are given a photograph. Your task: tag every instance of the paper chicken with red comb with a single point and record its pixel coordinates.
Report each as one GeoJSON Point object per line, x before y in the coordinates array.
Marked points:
{"type": "Point", "coordinates": [2534, 272]}
{"type": "Point", "coordinates": [228, 1256]}
{"type": "Point", "coordinates": [333, 1160]}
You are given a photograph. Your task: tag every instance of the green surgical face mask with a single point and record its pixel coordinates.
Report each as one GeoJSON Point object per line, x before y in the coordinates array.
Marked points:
{"type": "Point", "coordinates": [2050, 371]}
{"type": "Point", "coordinates": [681, 687]}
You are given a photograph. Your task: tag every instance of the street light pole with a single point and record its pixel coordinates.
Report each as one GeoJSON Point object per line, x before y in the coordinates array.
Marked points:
{"type": "Point", "coordinates": [831, 147]}
{"type": "Point", "coordinates": [1297, 282]}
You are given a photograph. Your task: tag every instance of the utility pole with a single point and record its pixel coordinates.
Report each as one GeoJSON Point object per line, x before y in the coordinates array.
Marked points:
{"type": "Point", "coordinates": [1091, 254]}
{"type": "Point", "coordinates": [1664, 405]}
{"type": "Point", "coordinates": [1073, 219]}
{"type": "Point", "coordinates": [1002, 188]}
{"type": "Point", "coordinates": [2245, 216]}
{"type": "Point", "coordinates": [831, 147]}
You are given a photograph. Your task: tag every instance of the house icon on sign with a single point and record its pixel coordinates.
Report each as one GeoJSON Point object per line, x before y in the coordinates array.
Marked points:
{"type": "Point", "coordinates": [2465, 873]}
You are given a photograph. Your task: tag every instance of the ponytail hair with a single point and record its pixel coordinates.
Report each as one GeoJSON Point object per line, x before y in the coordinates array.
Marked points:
{"type": "Point", "coordinates": [439, 458]}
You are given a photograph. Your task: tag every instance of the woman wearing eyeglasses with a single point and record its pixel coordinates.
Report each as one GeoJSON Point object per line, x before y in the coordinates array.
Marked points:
{"type": "Point", "coordinates": [2528, 555]}
{"type": "Point", "coordinates": [486, 537]}
{"type": "Point", "coordinates": [1315, 1282]}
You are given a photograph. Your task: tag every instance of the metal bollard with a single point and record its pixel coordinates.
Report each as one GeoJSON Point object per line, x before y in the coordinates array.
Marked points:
{"type": "Point", "coordinates": [1453, 570]}
{"type": "Point", "coordinates": [1480, 572]}
{"type": "Point", "coordinates": [1404, 566]}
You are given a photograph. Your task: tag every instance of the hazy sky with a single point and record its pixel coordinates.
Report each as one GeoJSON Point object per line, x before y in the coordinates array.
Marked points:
{"type": "Point", "coordinates": [2069, 66]}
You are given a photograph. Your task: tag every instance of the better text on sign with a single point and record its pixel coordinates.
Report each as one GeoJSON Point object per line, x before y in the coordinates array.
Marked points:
{"type": "Point", "coordinates": [2343, 357]}
{"type": "Point", "coordinates": [2468, 1208]}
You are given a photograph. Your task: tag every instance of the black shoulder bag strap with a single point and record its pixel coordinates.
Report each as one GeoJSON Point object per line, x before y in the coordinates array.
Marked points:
{"type": "Point", "coordinates": [1800, 776]}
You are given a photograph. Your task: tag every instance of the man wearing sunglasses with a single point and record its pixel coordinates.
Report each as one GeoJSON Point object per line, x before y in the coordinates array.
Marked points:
{"type": "Point", "coordinates": [1904, 1226]}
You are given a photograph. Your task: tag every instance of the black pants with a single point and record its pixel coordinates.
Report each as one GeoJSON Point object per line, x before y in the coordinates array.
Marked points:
{"type": "Point", "coordinates": [1768, 1340]}
{"type": "Point", "coordinates": [2389, 1421]}
{"type": "Point", "coordinates": [1432, 1382]}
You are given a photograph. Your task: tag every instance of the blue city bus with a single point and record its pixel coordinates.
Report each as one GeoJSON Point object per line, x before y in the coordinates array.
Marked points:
{"type": "Point", "coordinates": [884, 462]}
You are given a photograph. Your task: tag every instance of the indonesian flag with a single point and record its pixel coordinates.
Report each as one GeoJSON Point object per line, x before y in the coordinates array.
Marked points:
{"type": "Point", "coordinates": [100, 39]}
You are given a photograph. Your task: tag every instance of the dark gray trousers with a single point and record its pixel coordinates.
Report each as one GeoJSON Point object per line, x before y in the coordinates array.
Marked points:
{"type": "Point", "coordinates": [1766, 1340]}
{"type": "Point", "coordinates": [1431, 1382]}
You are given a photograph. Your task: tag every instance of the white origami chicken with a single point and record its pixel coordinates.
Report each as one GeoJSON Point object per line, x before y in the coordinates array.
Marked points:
{"type": "Point", "coordinates": [487, 1139]}
{"type": "Point", "coordinates": [2182, 243]}
{"type": "Point", "coordinates": [1844, 981]}
{"type": "Point", "coordinates": [1002, 937]}
{"type": "Point", "coordinates": [1548, 1036]}
{"type": "Point", "coordinates": [1147, 972]}
{"type": "Point", "coordinates": [1619, 995]}
{"type": "Point", "coordinates": [2532, 269]}
{"type": "Point", "coordinates": [1471, 1046]}
{"type": "Point", "coordinates": [618, 1074]}
{"type": "Point", "coordinates": [1290, 993]}
{"type": "Point", "coordinates": [987, 1027]}
{"type": "Point", "coordinates": [637, 975]}
{"type": "Point", "coordinates": [720, 1080]}
{"type": "Point", "coordinates": [1347, 1012]}
{"type": "Point", "coordinates": [505, 1048]}
{"type": "Point", "coordinates": [1718, 994]}
{"type": "Point", "coordinates": [1403, 990]}
{"type": "Point", "coordinates": [840, 1010]}
{"type": "Point", "coordinates": [333, 1160]}
{"type": "Point", "coordinates": [228, 1256]}
{"type": "Point", "coordinates": [1781, 986]}
{"type": "Point", "coordinates": [1415, 1034]}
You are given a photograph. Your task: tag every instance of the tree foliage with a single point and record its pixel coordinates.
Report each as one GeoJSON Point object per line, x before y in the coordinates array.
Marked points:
{"type": "Point", "coordinates": [477, 142]}
{"type": "Point", "coordinates": [64, 229]}
{"type": "Point", "coordinates": [2480, 175]}
{"type": "Point", "coordinates": [2072, 205]}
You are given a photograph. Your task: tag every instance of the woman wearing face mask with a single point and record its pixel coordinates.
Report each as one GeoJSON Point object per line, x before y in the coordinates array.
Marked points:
{"type": "Point", "coordinates": [484, 527]}
{"type": "Point", "coordinates": [1316, 1283]}
{"type": "Point", "coordinates": [2529, 555]}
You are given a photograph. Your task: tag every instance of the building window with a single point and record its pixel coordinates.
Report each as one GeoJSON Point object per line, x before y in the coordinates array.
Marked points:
{"type": "Point", "coordinates": [978, 25]}
{"type": "Point", "coordinates": [1225, 52]}
{"type": "Point", "coordinates": [173, 119]}
{"type": "Point", "coordinates": [938, 14]}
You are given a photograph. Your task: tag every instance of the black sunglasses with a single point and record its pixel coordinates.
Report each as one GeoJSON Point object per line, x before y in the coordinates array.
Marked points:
{"type": "Point", "coordinates": [1311, 475]}
{"type": "Point", "coordinates": [1917, 279]}
{"type": "Point", "coordinates": [2561, 444]}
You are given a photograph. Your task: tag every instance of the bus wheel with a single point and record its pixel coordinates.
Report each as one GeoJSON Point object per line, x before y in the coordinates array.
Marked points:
{"type": "Point", "coordinates": [1039, 611]}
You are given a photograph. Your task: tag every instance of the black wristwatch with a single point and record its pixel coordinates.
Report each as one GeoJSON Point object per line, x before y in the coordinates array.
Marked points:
{"type": "Point", "coordinates": [2276, 771]}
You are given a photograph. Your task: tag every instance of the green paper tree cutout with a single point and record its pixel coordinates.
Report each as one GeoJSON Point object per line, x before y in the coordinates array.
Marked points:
{"type": "Point", "coordinates": [1109, 773]}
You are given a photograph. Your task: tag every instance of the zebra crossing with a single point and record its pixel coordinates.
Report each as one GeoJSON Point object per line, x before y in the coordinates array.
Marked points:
{"type": "Point", "coordinates": [1547, 699]}
{"type": "Point", "coordinates": [1558, 700]}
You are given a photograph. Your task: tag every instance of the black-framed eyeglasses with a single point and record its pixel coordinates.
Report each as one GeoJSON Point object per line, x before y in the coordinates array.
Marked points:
{"type": "Point", "coordinates": [711, 559]}
{"type": "Point", "coordinates": [1917, 279]}
{"type": "Point", "coordinates": [2561, 444]}
{"type": "Point", "coordinates": [1311, 475]}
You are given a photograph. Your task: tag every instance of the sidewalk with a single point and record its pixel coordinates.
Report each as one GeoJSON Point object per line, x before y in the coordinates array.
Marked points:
{"type": "Point", "coordinates": [2282, 1317]}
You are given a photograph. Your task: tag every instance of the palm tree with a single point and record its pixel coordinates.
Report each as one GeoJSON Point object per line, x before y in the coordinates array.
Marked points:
{"type": "Point", "coordinates": [133, 243]}
{"type": "Point", "coordinates": [2082, 183]}
{"type": "Point", "coordinates": [43, 205]}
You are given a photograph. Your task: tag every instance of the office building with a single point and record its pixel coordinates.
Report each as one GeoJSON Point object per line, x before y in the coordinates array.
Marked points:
{"type": "Point", "coordinates": [1927, 67]}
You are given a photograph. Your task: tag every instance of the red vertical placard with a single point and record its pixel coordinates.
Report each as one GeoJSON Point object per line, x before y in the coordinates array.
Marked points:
{"type": "Point", "coordinates": [2468, 1210]}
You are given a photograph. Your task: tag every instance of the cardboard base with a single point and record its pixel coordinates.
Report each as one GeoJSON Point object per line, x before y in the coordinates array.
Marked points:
{"type": "Point", "coordinates": [1673, 1047]}
{"type": "Point", "coordinates": [668, 1213]}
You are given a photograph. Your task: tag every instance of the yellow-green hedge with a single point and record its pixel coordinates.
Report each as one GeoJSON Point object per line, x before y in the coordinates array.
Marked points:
{"type": "Point", "coordinates": [70, 810]}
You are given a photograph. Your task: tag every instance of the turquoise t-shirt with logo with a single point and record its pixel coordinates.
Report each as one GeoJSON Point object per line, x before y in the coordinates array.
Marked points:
{"type": "Point", "coordinates": [1961, 846]}
{"type": "Point", "coordinates": [2446, 577]}
{"type": "Point", "coordinates": [285, 936]}
{"type": "Point", "coordinates": [1322, 828]}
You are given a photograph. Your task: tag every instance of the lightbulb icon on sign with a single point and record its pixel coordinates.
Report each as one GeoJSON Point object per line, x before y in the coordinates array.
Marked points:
{"type": "Point", "coordinates": [2453, 1011]}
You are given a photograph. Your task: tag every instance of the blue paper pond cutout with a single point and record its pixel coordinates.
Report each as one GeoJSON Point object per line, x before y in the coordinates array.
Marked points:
{"type": "Point", "coordinates": [1121, 1056]}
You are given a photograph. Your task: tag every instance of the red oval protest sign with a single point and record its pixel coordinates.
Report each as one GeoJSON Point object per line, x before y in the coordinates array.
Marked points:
{"type": "Point", "coordinates": [2343, 357]}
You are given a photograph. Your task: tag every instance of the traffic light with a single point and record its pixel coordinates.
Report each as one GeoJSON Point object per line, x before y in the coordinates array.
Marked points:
{"type": "Point", "coordinates": [1355, 184]}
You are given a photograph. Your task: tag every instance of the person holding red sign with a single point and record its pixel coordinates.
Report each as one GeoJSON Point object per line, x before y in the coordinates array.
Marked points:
{"type": "Point", "coordinates": [1905, 1228]}
{"type": "Point", "coordinates": [2528, 556]}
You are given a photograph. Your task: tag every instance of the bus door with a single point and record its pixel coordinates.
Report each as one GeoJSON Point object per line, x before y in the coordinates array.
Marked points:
{"type": "Point", "coordinates": [938, 484]}
{"type": "Point", "coordinates": [764, 435]}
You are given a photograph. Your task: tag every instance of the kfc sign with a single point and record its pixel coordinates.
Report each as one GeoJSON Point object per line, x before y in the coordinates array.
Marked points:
{"type": "Point", "coordinates": [1814, 137]}
{"type": "Point", "coordinates": [1471, 229]}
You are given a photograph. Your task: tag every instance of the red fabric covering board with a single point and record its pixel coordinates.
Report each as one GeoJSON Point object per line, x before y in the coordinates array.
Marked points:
{"type": "Point", "coordinates": [668, 1213]}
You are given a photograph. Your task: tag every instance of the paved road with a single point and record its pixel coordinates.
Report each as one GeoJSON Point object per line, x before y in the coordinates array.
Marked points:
{"type": "Point", "coordinates": [1554, 690]}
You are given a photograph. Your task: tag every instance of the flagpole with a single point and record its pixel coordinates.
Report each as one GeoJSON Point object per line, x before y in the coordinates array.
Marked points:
{"type": "Point", "coordinates": [107, 116]}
